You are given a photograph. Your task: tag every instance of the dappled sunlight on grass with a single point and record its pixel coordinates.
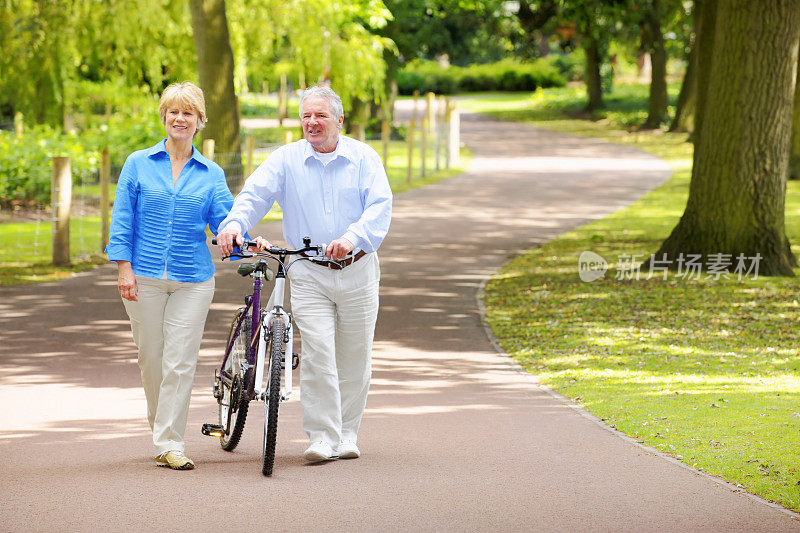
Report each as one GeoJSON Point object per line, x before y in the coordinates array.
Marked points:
{"type": "Point", "coordinates": [707, 370]}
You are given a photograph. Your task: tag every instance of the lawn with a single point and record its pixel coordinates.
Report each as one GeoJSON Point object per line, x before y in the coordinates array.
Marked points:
{"type": "Point", "coordinates": [706, 370]}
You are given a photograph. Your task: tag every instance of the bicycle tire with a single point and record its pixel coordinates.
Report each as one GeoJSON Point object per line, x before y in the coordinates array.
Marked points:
{"type": "Point", "coordinates": [237, 399]}
{"type": "Point", "coordinates": [273, 402]}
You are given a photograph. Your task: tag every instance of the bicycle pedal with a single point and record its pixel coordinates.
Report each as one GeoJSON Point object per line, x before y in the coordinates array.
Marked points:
{"type": "Point", "coordinates": [212, 430]}
{"type": "Point", "coordinates": [295, 360]}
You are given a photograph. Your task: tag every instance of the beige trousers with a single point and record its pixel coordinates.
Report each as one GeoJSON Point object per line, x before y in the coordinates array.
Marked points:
{"type": "Point", "coordinates": [167, 324]}
{"type": "Point", "coordinates": [336, 311]}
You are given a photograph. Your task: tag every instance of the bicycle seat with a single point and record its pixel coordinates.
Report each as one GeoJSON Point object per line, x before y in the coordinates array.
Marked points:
{"type": "Point", "coordinates": [245, 269]}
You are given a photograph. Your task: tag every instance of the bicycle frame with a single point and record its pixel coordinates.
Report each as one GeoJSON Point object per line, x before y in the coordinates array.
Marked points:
{"type": "Point", "coordinates": [275, 308]}
{"type": "Point", "coordinates": [260, 331]}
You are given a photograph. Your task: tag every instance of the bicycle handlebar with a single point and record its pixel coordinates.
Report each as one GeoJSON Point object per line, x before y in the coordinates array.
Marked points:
{"type": "Point", "coordinates": [275, 250]}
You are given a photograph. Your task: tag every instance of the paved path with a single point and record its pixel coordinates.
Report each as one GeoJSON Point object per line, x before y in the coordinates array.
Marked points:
{"type": "Point", "coordinates": [454, 438]}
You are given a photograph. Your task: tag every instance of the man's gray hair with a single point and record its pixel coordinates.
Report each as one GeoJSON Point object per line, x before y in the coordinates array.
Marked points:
{"type": "Point", "coordinates": [326, 93]}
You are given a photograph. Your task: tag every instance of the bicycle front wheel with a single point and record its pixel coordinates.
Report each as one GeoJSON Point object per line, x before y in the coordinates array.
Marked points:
{"type": "Point", "coordinates": [273, 401]}
{"type": "Point", "coordinates": [233, 403]}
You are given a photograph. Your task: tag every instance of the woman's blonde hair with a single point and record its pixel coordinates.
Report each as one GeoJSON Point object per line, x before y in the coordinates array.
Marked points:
{"type": "Point", "coordinates": [185, 95]}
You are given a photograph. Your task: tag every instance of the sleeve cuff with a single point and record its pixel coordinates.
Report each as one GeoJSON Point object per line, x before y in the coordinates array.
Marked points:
{"type": "Point", "coordinates": [352, 237]}
{"type": "Point", "coordinates": [232, 225]}
{"type": "Point", "coordinates": [118, 253]}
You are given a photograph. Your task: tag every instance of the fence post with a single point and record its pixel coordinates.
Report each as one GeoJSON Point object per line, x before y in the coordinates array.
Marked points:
{"type": "Point", "coordinates": [208, 148]}
{"type": "Point", "coordinates": [386, 133]}
{"type": "Point", "coordinates": [424, 144]}
{"type": "Point", "coordinates": [264, 87]}
{"type": "Point", "coordinates": [287, 136]}
{"type": "Point", "coordinates": [282, 98]}
{"type": "Point", "coordinates": [455, 137]}
{"type": "Point", "coordinates": [249, 147]}
{"type": "Point", "coordinates": [61, 200]}
{"type": "Point", "coordinates": [105, 178]}
{"type": "Point", "coordinates": [411, 127]}
{"type": "Point", "coordinates": [439, 130]}
{"type": "Point", "coordinates": [19, 125]}
{"type": "Point", "coordinates": [429, 97]}
{"type": "Point", "coordinates": [302, 80]}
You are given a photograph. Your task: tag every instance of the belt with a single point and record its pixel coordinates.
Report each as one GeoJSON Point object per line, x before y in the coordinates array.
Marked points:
{"type": "Point", "coordinates": [340, 264]}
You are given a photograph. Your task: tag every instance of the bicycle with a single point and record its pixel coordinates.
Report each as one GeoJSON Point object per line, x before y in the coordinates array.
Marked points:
{"type": "Point", "coordinates": [242, 371]}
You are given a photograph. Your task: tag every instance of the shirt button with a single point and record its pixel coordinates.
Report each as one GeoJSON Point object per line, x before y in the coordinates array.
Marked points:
{"type": "Point", "coordinates": [170, 222]}
{"type": "Point", "coordinates": [329, 211]}
{"type": "Point", "coordinates": [173, 196]}
{"type": "Point", "coordinates": [167, 234]}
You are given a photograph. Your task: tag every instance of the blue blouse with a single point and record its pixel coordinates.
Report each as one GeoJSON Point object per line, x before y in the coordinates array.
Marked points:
{"type": "Point", "coordinates": [159, 226]}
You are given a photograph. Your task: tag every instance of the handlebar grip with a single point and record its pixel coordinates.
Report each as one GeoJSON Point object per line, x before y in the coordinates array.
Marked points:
{"type": "Point", "coordinates": [246, 244]}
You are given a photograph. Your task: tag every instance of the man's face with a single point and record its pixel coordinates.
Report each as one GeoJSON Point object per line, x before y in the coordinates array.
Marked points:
{"type": "Point", "coordinates": [320, 127]}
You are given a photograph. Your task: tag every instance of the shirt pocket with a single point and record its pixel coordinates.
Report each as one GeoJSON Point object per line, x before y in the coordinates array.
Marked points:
{"type": "Point", "coordinates": [350, 204]}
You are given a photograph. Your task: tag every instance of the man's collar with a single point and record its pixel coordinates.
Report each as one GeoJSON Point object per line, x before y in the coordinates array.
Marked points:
{"type": "Point", "coordinates": [343, 149]}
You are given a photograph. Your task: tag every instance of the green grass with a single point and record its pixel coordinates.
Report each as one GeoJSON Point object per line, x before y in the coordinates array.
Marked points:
{"type": "Point", "coordinates": [705, 370]}
{"type": "Point", "coordinates": [26, 247]}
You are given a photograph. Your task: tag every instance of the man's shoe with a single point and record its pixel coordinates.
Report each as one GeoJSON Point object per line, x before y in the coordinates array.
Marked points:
{"type": "Point", "coordinates": [348, 450]}
{"type": "Point", "coordinates": [319, 451]}
{"type": "Point", "coordinates": [175, 459]}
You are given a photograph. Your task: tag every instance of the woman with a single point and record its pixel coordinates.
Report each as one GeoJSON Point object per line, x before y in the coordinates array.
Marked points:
{"type": "Point", "coordinates": [165, 197]}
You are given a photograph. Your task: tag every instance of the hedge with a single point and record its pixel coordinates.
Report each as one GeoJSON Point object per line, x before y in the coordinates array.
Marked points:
{"type": "Point", "coordinates": [506, 75]}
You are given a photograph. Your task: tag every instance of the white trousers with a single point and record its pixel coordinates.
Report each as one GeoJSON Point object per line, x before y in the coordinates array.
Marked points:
{"type": "Point", "coordinates": [167, 324]}
{"type": "Point", "coordinates": [336, 312]}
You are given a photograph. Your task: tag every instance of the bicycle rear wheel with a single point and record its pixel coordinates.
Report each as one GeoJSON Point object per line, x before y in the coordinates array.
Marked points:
{"type": "Point", "coordinates": [272, 402]}
{"type": "Point", "coordinates": [233, 403]}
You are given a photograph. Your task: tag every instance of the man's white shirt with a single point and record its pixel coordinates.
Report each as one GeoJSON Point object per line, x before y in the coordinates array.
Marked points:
{"type": "Point", "coordinates": [348, 197]}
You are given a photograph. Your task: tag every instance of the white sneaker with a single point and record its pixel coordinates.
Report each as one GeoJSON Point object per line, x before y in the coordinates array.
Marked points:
{"type": "Point", "coordinates": [348, 450]}
{"type": "Point", "coordinates": [319, 451]}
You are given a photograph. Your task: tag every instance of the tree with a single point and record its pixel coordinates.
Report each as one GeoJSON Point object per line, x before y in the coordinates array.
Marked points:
{"type": "Point", "coordinates": [594, 21]}
{"type": "Point", "coordinates": [50, 48]}
{"type": "Point", "coordinates": [653, 43]}
{"type": "Point", "coordinates": [687, 98]}
{"type": "Point", "coordinates": [215, 69]}
{"type": "Point", "coordinates": [794, 153]}
{"type": "Point", "coordinates": [737, 193]}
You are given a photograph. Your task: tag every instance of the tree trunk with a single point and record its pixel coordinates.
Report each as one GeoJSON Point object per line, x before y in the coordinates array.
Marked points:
{"type": "Point", "coordinates": [794, 153]}
{"type": "Point", "coordinates": [215, 69]}
{"type": "Point", "coordinates": [594, 85]}
{"type": "Point", "coordinates": [654, 42]}
{"type": "Point", "coordinates": [687, 98]}
{"type": "Point", "coordinates": [705, 40]}
{"type": "Point", "coordinates": [737, 194]}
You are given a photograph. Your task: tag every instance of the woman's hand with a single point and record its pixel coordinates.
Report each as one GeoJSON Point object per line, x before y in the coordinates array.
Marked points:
{"type": "Point", "coordinates": [126, 281]}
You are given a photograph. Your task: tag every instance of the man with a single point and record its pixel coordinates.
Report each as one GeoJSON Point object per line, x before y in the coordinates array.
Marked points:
{"type": "Point", "coordinates": [335, 190]}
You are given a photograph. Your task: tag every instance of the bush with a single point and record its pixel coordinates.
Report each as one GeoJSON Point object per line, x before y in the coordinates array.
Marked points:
{"type": "Point", "coordinates": [26, 164]}
{"type": "Point", "coordinates": [506, 75]}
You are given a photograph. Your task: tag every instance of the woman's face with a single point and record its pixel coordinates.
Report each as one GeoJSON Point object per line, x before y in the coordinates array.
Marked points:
{"type": "Point", "coordinates": [180, 123]}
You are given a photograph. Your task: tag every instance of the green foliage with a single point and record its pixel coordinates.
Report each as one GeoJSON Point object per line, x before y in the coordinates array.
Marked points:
{"type": "Point", "coordinates": [274, 37]}
{"type": "Point", "coordinates": [26, 164]}
{"type": "Point", "coordinates": [463, 31]}
{"type": "Point", "coordinates": [49, 47]}
{"type": "Point", "coordinates": [506, 75]}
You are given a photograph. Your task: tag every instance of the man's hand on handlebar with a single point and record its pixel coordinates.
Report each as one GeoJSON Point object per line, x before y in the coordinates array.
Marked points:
{"type": "Point", "coordinates": [262, 244]}
{"type": "Point", "coordinates": [338, 249]}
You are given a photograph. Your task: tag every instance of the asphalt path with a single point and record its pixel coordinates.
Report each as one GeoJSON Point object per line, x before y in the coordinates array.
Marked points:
{"type": "Point", "coordinates": [455, 436]}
